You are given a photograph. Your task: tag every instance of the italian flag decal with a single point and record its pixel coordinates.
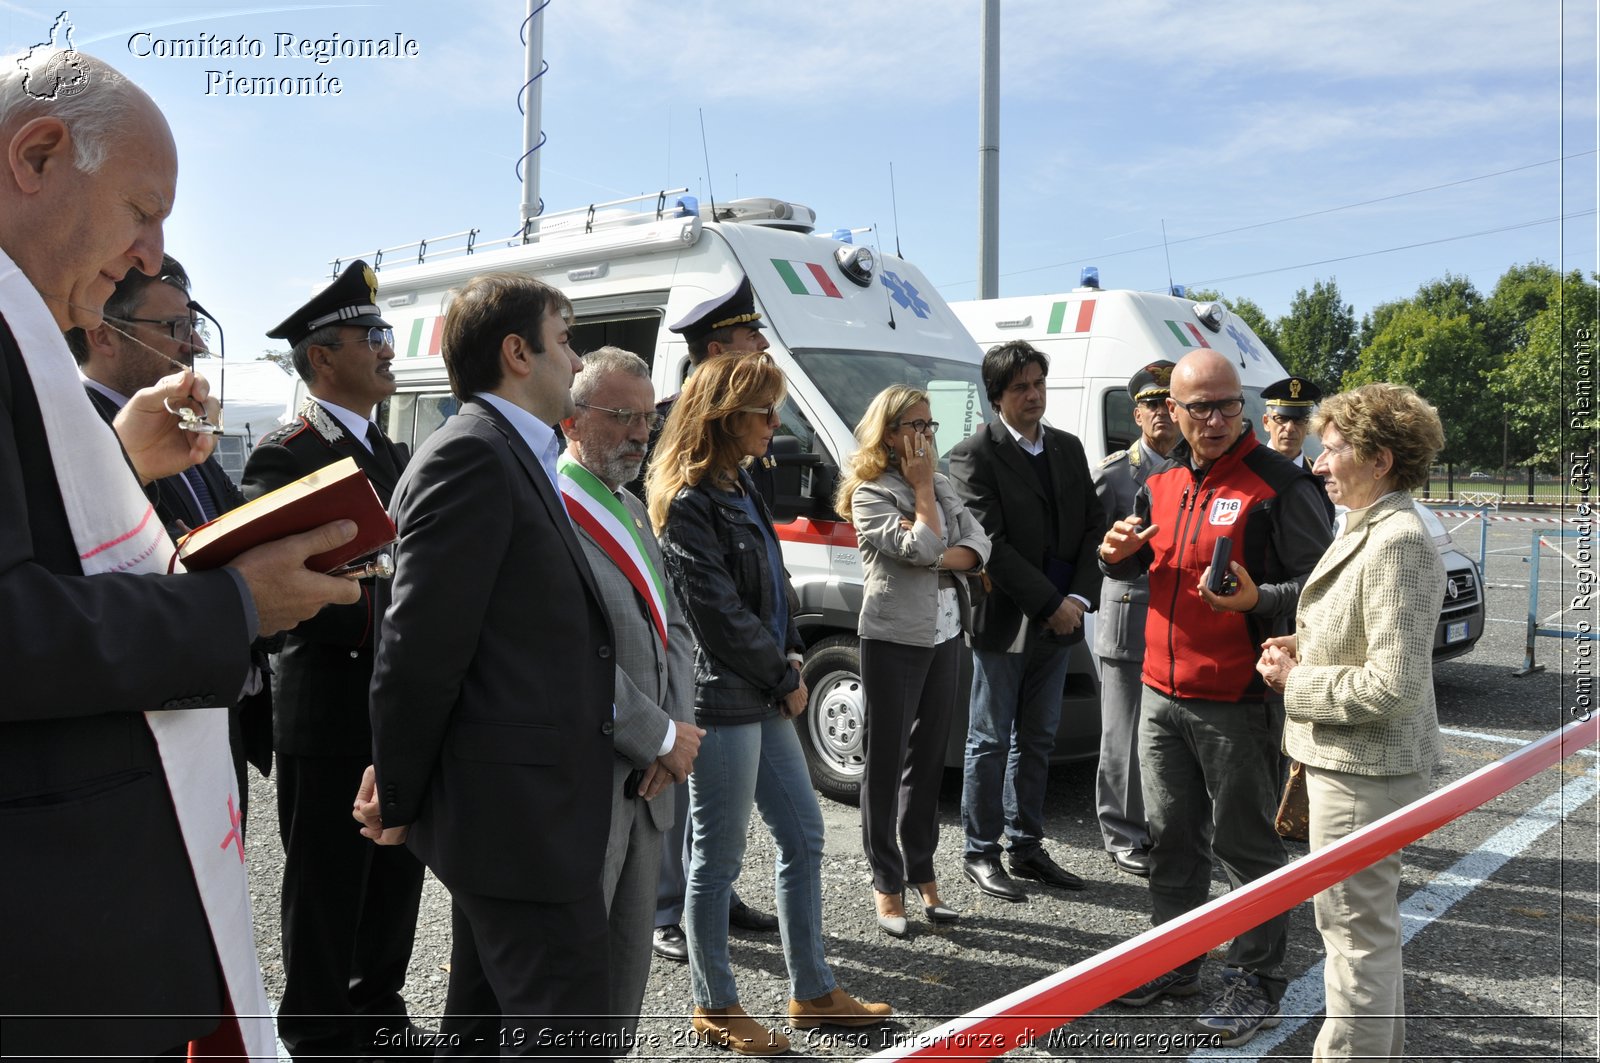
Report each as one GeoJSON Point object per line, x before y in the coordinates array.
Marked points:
{"type": "Point", "coordinates": [806, 278]}
{"type": "Point", "coordinates": [1188, 335]}
{"type": "Point", "coordinates": [424, 338]}
{"type": "Point", "coordinates": [1071, 316]}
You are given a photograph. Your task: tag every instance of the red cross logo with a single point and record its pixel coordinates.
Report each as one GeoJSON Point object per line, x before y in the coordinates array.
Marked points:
{"type": "Point", "coordinates": [233, 836]}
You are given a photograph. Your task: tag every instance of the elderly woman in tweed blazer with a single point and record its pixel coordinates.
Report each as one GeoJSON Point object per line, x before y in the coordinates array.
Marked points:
{"type": "Point", "coordinates": [1357, 683]}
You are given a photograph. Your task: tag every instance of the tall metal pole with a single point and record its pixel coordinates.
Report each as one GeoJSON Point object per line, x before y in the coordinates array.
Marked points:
{"type": "Point", "coordinates": [532, 65]}
{"type": "Point", "coordinates": [989, 156]}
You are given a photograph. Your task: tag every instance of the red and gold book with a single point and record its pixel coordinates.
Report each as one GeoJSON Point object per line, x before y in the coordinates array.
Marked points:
{"type": "Point", "coordinates": [333, 492]}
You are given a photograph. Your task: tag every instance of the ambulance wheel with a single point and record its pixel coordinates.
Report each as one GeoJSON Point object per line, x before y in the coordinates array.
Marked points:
{"type": "Point", "coordinates": [833, 729]}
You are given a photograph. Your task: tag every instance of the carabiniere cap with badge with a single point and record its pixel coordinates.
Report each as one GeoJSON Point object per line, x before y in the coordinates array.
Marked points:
{"type": "Point", "coordinates": [352, 299]}
{"type": "Point", "coordinates": [1154, 381]}
{"type": "Point", "coordinates": [736, 307]}
{"type": "Point", "coordinates": [1292, 396]}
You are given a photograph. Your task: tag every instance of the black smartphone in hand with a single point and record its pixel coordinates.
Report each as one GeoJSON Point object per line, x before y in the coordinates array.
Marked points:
{"type": "Point", "coordinates": [1222, 582]}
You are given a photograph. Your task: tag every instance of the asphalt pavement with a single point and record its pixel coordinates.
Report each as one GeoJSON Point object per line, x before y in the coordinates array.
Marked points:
{"type": "Point", "coordinates": [1502, 905]}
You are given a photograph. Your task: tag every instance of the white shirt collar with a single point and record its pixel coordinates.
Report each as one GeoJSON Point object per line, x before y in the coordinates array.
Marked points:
{"type": "Point", "coordinates": [1035, 448]}
{"type": "Point", "coordinates": [115, 396]}
{"type": "Point", "coordinates": [540, 437]}
{"type": "Point", "coordinates": [354, 423]}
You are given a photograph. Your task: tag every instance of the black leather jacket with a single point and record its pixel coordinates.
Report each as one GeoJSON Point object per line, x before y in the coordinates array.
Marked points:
{"type": "Point", "coordinates": [716, 559]}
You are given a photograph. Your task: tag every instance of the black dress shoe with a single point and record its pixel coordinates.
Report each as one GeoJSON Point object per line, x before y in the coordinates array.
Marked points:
{"type": "Point", "coordinates": [1133, 861]}
{"type": "Point", "coordinates": [669, 943]}
{"type": "Point", "coordinates": [1041, 868]}
{"type": "Point", "coordinates": [987, 874]}
{"type": "Point", "coordinates": [745, 917]}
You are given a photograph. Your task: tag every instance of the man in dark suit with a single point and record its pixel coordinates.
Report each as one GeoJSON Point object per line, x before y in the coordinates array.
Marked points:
{"type": "Point", "coordinates": [656, 737]}
{"type": "Point", "coordinates": [112, 860]}
{"type": "Point", "coordinates": [149, 330]}
{"type": "Point", "coordinates": [1028, 485]}
{"type": "Point", "coordinates": [492, 696]}
{"type": "Point", "coordinates": [349, 910]}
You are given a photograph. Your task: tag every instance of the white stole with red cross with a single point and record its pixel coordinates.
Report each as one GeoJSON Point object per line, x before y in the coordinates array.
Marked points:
{"type": "Point", "coordinates": [115, 530]}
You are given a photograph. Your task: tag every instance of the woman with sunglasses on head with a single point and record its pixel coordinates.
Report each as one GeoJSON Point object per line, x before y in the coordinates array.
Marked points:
{"type": "Point", "coordinates": [915, 538]}
{"type": "Point", "coordinates": [723, 559]}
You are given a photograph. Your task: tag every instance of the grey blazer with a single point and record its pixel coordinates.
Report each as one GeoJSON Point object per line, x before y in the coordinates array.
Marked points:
{"type": "Point", "coordinates": [901, 592]}
{"type": "Point", "coordinates": [652, 683]}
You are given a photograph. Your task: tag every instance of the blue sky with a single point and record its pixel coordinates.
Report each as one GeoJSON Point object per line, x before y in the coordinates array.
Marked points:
{"type": "Point", "coordinates": [1235, 119]}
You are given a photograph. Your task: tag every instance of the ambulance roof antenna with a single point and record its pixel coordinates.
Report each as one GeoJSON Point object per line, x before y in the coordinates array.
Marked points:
{"type": "Point", "coordinates": [1168, 252]}
{"type": "Point", "coordinates": [711, 193]}
{"type": "Point", "coordinates": [894, 205]}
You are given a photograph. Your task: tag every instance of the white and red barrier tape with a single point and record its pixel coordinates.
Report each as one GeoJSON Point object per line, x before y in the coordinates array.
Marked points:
{"type": "Point", "coordinates": [1030, 1013]}
{"type": "Point", "coordinates": [1504, 517]}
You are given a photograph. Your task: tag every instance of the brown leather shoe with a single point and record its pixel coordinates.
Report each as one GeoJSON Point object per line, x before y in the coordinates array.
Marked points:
{"type": "Point", "coordinates": [730, 1027]}
{"type": "Point", "coordinates": [838, 1008]}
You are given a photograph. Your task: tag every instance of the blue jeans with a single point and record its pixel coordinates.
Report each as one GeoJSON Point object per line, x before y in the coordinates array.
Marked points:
{"type": "Point", "coordinates": [1011, 731]}
{"type": "Point", "coordinates": [741, 765]}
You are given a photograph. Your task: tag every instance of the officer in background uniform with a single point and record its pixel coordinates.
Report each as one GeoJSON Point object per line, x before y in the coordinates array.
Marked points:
{"type": "Point", "coordinates": [1119, 630]}
{"type": "Point", "coordinates": [724, 324]}
{"type": "Point", "coordinates": [1290, 402]}
{"type": "Point", "coordinates": [1289, 405]}
{"type": "Point", "coordinates": [349, 907]}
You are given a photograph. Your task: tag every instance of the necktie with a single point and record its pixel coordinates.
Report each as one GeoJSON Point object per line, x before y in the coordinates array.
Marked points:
{"type": "Point", "coordinates": [380, 451]}
{"type": "Point", "coordinates": [202, 493]}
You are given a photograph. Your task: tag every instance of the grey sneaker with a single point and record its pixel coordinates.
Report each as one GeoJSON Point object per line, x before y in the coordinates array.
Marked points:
{"type": "Point", "coordinates": [1171, 984]}
{"type": "Point", "coordinates": [1242, 1009]}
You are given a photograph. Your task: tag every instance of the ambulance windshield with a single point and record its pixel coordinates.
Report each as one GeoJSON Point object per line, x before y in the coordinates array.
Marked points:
{"type": "Point", "coordinates": [850, 379]}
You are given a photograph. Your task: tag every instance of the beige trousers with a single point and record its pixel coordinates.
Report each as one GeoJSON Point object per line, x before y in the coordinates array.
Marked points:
{"type": "Point", "coordinates": [1360, 918]}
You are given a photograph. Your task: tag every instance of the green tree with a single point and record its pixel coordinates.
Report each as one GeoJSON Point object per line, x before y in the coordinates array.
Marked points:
{"type": "Point", "coordinates": [1536, 383]}
{"type": "Point", "coordinates": [1520, 295]}
{"type": "Point", "coordinates": [1375, 321]}
{"type": "Point", "coordinates": [1446, 359]}
{"type": "Point", "coordinates": [1316, 338]}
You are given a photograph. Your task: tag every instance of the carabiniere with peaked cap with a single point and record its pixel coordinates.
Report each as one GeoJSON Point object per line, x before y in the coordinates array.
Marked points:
{"type": "Point", "coordinates": [352, 299]}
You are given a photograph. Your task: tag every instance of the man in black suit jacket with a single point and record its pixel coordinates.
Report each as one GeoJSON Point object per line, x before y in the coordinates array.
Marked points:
{"type": "Point", "coordinates": [1028, 485]}
{"type": "Point", "coordinates": [107, 948]}
{"type": "Point", "coordinates": [150, 330]}
{"type": "Point", "coordinates": [349, 910]}
{"type": "Point", "coordinates": [492, 695]}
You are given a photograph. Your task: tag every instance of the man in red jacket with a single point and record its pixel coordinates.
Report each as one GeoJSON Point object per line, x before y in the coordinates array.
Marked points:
{"type": "Point", "coordinates": [1208, 740]}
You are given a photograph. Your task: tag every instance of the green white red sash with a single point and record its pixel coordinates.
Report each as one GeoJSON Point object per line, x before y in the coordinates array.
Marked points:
{"type": "Point", "coordinates": [600, 513]}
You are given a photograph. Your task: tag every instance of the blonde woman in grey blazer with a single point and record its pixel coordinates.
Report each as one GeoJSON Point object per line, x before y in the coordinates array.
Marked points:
{"type": "Point", "coordinates": [915, 538]}
{"type": "Point", "coordinates": [1357, 684]}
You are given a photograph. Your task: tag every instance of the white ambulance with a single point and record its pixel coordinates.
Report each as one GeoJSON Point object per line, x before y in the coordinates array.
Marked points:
{"type": "Point", "coordinates": [843, 324]}
{"type": "Point", "coordinates": [1096, 340]}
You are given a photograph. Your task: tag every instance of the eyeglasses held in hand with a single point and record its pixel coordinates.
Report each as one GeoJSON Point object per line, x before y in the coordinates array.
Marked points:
{"type": "Point", "coordinates": [1202, 411]}
{"type": "Point", "coordinates": [377, 339]}
{"type": "Point", "coordinates": [628, 418]}
{"type": "Point", "coordinates": [919, 426]}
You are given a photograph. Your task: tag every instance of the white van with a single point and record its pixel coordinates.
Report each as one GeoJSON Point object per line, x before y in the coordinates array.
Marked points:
{"type": "Point", "coordinates": [842, 323]}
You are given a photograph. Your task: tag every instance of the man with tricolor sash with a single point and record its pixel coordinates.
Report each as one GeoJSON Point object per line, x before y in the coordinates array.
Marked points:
{"type": "Point", "coordinates": [656, 739]}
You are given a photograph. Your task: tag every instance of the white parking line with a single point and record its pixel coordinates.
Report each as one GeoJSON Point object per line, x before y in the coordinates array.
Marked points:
{"type": "Point", "coordinates": [1306, 996]}
{"type": "Point", "coordinates": [1504, 740]}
